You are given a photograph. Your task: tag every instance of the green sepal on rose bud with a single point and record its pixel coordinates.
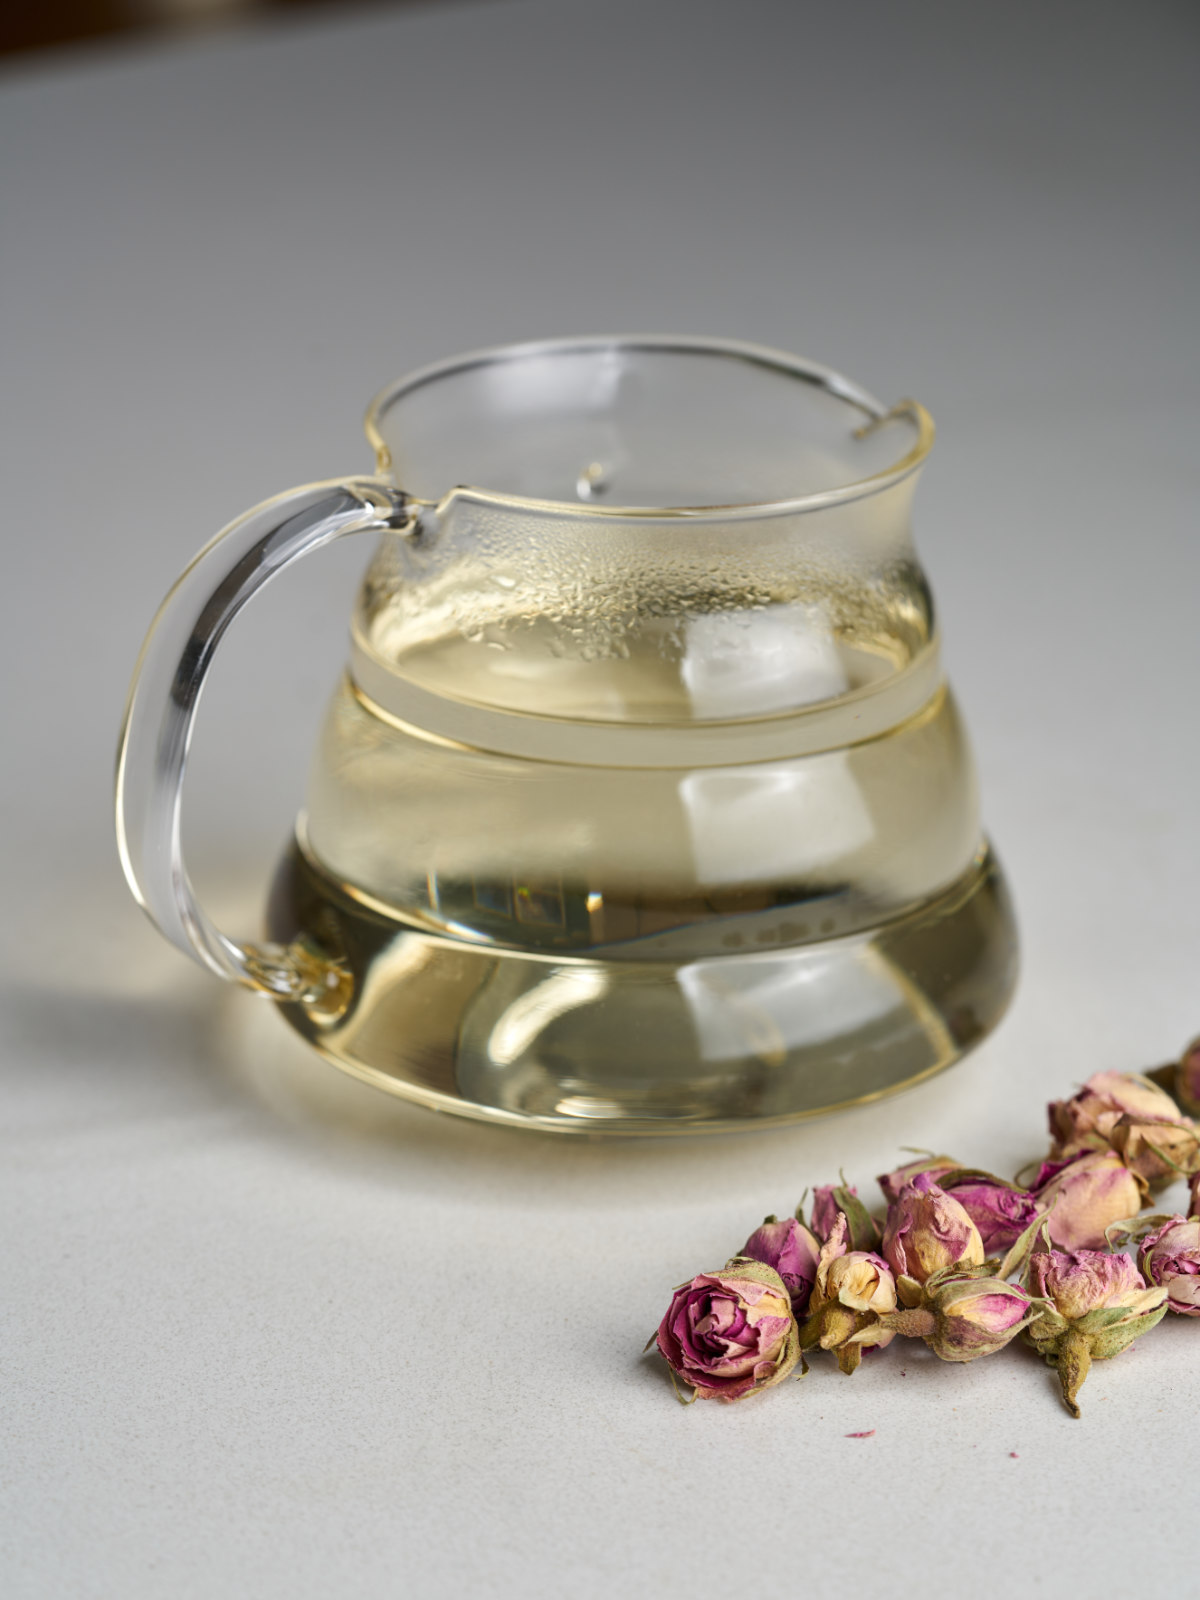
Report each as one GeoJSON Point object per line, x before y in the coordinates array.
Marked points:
{"type": "Point", "coordinates": [1017, 1258]}
{"type": "Point", "coordinates": [756, 1272]}
{"type": "Point", "coordinates": [963, 1314]}
{"type": "Point", "coordinates": [913, 1295]}
{"type": "Point", "coordinates": [832, 1200]}
{"type": "Point", "coordinates": [1094, 1306]}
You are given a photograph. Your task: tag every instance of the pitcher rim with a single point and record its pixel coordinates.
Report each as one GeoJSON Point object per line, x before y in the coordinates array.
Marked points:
{"type": "Point", "coordinates": [825, 378]}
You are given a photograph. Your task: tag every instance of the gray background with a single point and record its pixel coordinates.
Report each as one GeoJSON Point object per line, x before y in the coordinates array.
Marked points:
{"type": "Point", "coordinates": [264, 1332]}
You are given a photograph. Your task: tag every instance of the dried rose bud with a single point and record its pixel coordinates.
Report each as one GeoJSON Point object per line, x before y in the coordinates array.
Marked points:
{"type": "Point", "coordinates": [791, 1250]}
{"type": "Point", "coordinates": [1088, 1117]}
{"type": "Point", "coordinates": [1194, 1196]}
{"type": "Point", "coordinates": [854, 1289]}
{"type": "Point", "coordinates": [892, 1182]}
{"type": "Point", "coordinates": [832, 1199]}
{"type": "Point", "coordinates": [1158, 1151]}
{"type": "Point", "coordinates": [731, 1332]}
{"type": "Point", "coordinates": [927, 1231]}
{"type": "Point", "coordinates": [1170, 1258]}
{"type": "Point", "coordinates": [1096, 1305]}
{"type": "Point", "coordinates": [977, 1317]}
{"type": "Point", "coordinates": [1181, 1079]}
{"type": "Point", "coordinates": [1084, 1196]}
{"type": "Point", "coordinates": [1001, 1211]}
{"type": "Point", "coordinates": [1126, 1112]}
{"type": "Point", "coordinates": [967, 1317]}
{"type": "Point", "coordinates": [824, 1212]}
{"type": "Point", "coordinates": [1078, 1282]}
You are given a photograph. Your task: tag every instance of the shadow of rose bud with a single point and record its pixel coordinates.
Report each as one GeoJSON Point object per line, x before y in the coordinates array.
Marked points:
{"type": "Point", "coordinates": [928, 1231]}
{"type": "Point", "coordinates": [1095, 1306]}
{"type": "Point", "coordinates": [730, 1333]}
{"type": "Point", "coordinates": [853, 1291]}
{"type": "Point", "coordinates": [1001, 1211]}
{"type": "Point", "coordinates": [1170, 1259]}
{"type": "Point", "coordinates": [962, 1318]}
{"type": "Point", "coordinates": [793, 1252]}
{"type": "Point", "coordinates": [1084, 1196]}
{"type": "Point", "coordinates": [892, 1182]}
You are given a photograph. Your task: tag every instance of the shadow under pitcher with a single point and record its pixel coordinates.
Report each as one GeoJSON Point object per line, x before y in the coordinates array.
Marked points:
{"type": "Point", "coordinates": [643, 805]}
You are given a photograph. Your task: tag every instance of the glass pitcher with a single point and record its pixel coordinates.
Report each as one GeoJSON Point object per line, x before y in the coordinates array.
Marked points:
{"type": "Point", "coordinates": [643, 804]}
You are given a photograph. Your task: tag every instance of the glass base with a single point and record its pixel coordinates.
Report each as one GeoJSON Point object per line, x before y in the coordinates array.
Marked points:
{"type": "Point", "coordinates": [579, 1045]}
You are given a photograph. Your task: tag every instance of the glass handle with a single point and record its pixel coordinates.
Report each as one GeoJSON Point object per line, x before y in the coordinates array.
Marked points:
{"type": "Point", "coordinates": [159, 715]}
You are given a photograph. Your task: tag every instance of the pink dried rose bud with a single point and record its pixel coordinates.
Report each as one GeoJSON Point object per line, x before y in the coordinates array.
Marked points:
{"type": "Point", "coordinates": [892, 1182]}
{"type": "Point", "coordinates": [730, 1333]}
{"type": "Point", "coordinates": [824, 1211]}
{"type": "Point", "coordinates": [1078, 1282]}
{"type": "Point", "coordinates": [967, 1317]}
{"type": "Point", "coordinates": [1084, 1196]}
{"type": "Point", "coordinates": [853, 1291]}
{"type": "Point", "coordinates": [1126, 1112]}
{"type": "Point", "coordinates": [792, 1251]}
{"type": "Point", "coordinates": [1095, 1306]}
{"type": "Point", "coordinates": [928, 1231]}
{"type": "Point", "coordinates": [1001, 1211]}
{"type": "Point", "coordinates": [977, 1317]}
{"type": "Point", "coordinates": [832, 1199]}
{"type": "Point", "coordinates": [1086, 1120]}
{"type": "Point", "coordinates": [1170, 1258]}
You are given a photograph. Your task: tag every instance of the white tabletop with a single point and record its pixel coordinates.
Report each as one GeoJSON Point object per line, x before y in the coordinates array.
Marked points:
{"type": "Point", "coordinates": [268, 1333]}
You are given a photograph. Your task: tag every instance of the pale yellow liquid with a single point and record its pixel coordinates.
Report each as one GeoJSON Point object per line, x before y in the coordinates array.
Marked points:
{"type": "Point", "coordinates": [587, 946]}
